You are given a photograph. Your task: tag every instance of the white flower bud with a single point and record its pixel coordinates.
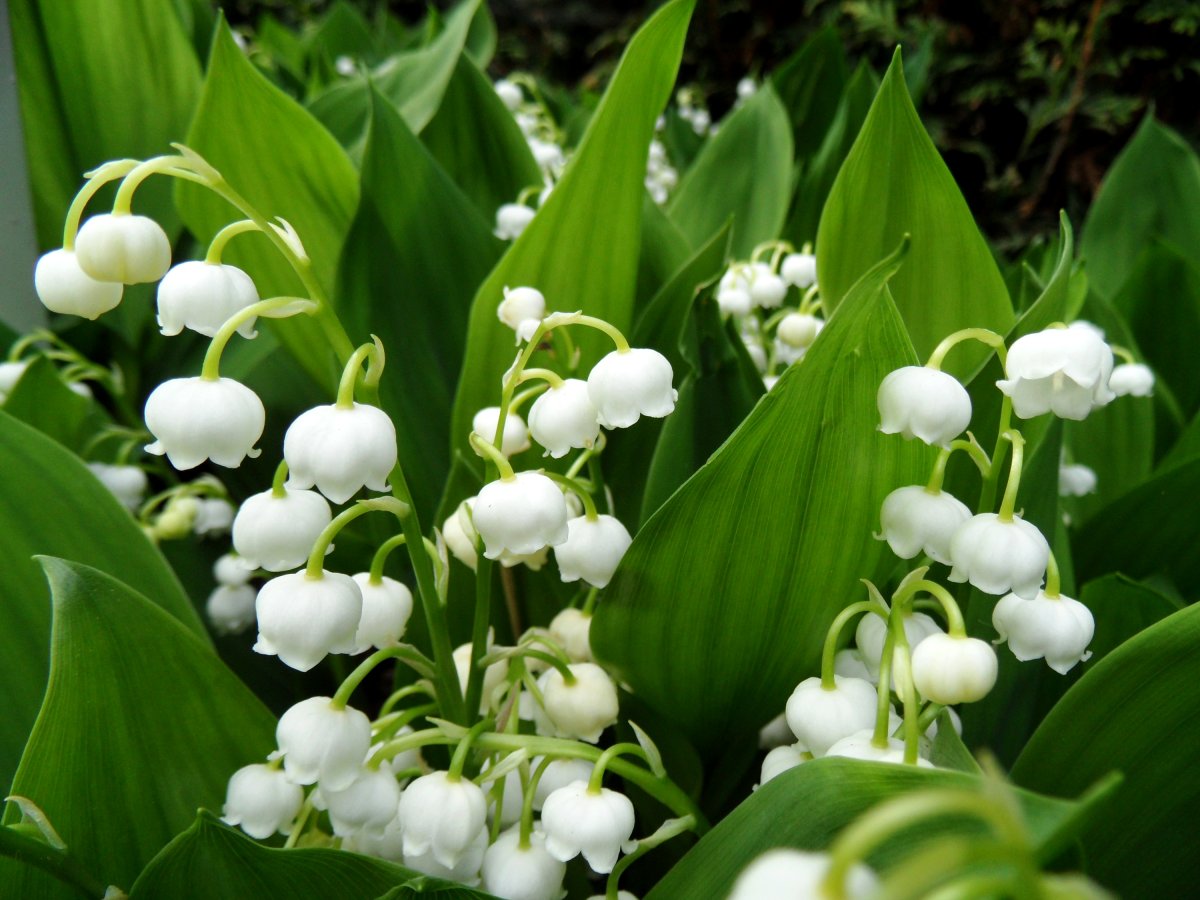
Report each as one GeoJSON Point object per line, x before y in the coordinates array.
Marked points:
{"type": "Point", "coordinates": [127, 483]}
{"type": "Point", "coordinates": [1057, 629]}
{"type": "Point", "coordinates": [563, 418]}
{"type": "Point", "coordinates": [441, 817]}
{"type": "Point", "coordinates": [516, 436]}
{"type": "Point", "coordinates": [386, 607]}
{"type": "Point", "coordinates": [948, 669]}
{"type": "Point", "coordinates": [278, 533]}
{"type": "Point", "coordinates": [582, 709]}
{"type": "Point", "coordinates": [302, 619]}
{"type": "Point", "coordinates": [998, 556]}
{"type": "Point", "coordinates": [369, 803]}
{"type": "Point", "coordinates": [775, 733]}
{"type": "Point", "coordinates": [195, 419]}
{"type": "Point", "coordinates": [465, 870]}
{"type": "Point", "coordinates": [871, 634]}
{"type": "Point", "coordinates": [340, 450]}
{"type": "Point", "coordinates": [230, 608]}
{"type": "Point", "coordinates": [767, 289]}
{"type": "Point", "coordinates": [734, 301]}
{"type": "Point", "coordinates": [798, 875]}
{"type": "Point", "coordinates": [570, 628]}
{"type": "Point", "coordinates": [915, 520]}
{"type": "Point", "coordinates": [1076, 480]}
{"type": "Point", "coordinates": [917, 401]}
{"type": "Point", "coordinates": [852, 664]}
{"type": "Point", "coordinates": [1059, 370]}
{"type": "Point", "coordinates": [799, 269]}
{"type": "Point", "coordinates": [747, 87]}
{"type": "Point", "coordinates": [459, 534]}
{"type": "Point", "coordinates": [388, 845]}
{"type": "Point", "coordinates": [509, 93]}
{"type": "Point", "coordinates": [124, 248]}
{"type": "Point", "coordinates": [63, 287]}
{"type": "Point", "coordinates": [522, 310]}
{"type": "Point", "coordinates": [232, 570]}
{"type": "Point", "coordinates": [214, 515]}
{"type": "Point", "coordinates": [820, 717]}
{"type": "Point", "coordinates": [520, 515]}
{"type": "Point", "coordinates": [558, 774]}
{"type": "Point", "coordinates": [1132, 380]}
{"type": "Point", "coordinates": [626, 386]}
{"type": "Point", "coordinates": [261, 801]}
{"type": "Point", "coordinates": [861, 745]}
{"type": "Point", "coordinates": [321, 742]}
{"type": "Point", "coordinates": [522, 873]}
{"type": "Point", "coordinates": [576, 820]}
{"type": "Point", "coordinates": [779, 760]}
{"type": "Point", "coordinates": [176, 519]}
{"type": "Point", "coordinates": [494, 676]}
{"type": "Point", "coordinates": [593, 549]}
{"type": "Point", "coordinates": [799, 330]}
{"type": "Point", "coordinates": [511, 220]}
{"type": "Point", "coordinates": [202, 296]}
{"type": "Point", "coordinates": [547, 154]}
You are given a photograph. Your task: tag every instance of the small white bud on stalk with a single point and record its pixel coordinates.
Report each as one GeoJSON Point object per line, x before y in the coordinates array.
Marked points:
{"type": "Point", "coordinates": [1076, 480]}
{"type": "Point", "coordinates": [516, 435]}
{"type": "Point", "coordinates": [799, 269]}
{"type": "Point", "coordinates": [386, 608]}
{"type": "Point", "coordinates": [950, 669]}
{"type": "Point", "coordinates": [214, 515]}
{"type": "Point", "coordinates": [780, 759]}
{"type": "Point", "coordinates": [580, 709]}
{"type": "Point", "coordinates": [278, 533]}
{"type": "Point", "coordinates": [509, 93]}
{"type": "Point", "coordinates": [571, 628]}
{"type": "Point", "coordinates": [261, 801]}
{"type": "Point", "coordinates": [127, 483]}
{"type": "Point", "coordinates": [597, 824]}
{"type": "Point", "coordinates": [511, 220]}
{"type": "Point", "coordinates": [231, 608]}
{"type": "Point", "coordinates": [1132, 380]}
{"type": "Point", "coordinates": [799, 330]}
{"type": "Point", "coordinates": [124, 248]}
{"type": "Point", "coordinates": [302, 619]}
{"type": "Point", "coordinates": [63, 287]}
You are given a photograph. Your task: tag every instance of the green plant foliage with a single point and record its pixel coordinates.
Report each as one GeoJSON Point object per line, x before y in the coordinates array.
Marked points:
{"type": "Point", "coordinates": [580, 250]}
{"type": "Point", "coordinates": [743, 171]}
{"type": "Point", "coordinates": [832, 793]}
{"type": "Point", "coordinates": [810, 84]}
{"type": "Point", "coordinates": [415, 253]}
{"type": "Point", "coordinates": [1131, 713]}
{"type": "Point", "coordinates": [1151, 191]}
{"type": "Point", "coordinates": [140, 721]}
{"type": "Point", "coordinates": [893, 183]}
{"type": "Point", "coordinates": [40, 479]}
{"type": "Point", "coordinates": [42, 399]}
{"type": "Point", "coordinates": [765, 555]}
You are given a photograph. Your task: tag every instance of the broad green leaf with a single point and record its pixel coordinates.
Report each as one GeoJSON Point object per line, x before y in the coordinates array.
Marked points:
{"type": "Point", "coordinates": [1134, 713]}
{"type": "Point", "coordinates": [141, 724]}
{"type": "Point", "coordinates": [744, 170]}
{"type": "Point", "coordinates": [809, 84]}
{"type": "Point", "coordinates": [894, 183]}
{"type": "Point", "coordinates": [282, 161]}
{"type": "Point", "coordinates": [41, 399]}
{"type": "Point", "coordinates": [480, 44]}
{"type": "Point", "coordinates": [342, 31]}
{"type": "Point", "coordinates": [664, 249]}
{"type": "Point", "coordinates": [52, 504]}
{"type": "Point", "coordinates": [581, 248]}
{"type": "Point", "coordinates": [742, 570]}
{"type": "Point", "coordinates": [806, 807]}
{"type": "Point", "coordinates": [416, 252]}
{"type": "Point", "coordinates": [1151, 191]}
{"type": "Point", "coordinates": [476, 140]}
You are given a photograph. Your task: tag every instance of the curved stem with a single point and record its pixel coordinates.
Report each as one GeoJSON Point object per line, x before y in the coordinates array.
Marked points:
{"type": "Point", "coordinates": [491, 453]}
{"type": "Point", "coordinates": [407, 691]}
{"type": "Point", "coordinates": [606, 757]}
{"type": "Point", "coordinates": [983, 335]}
{"type": "Point", "coordinates": [589, 506]}
{"type": "Point", "coordinates": [224, 236]}
{"type": "Point", "coordinates": [547, 375]}
{"type": "Point", "coordinates": [906, 689]}
{"type": "Point", "coordinates": [110, 171]}
{"type": "Point", "coordinates": [380, 558]}
{"type": "Point", "coordinates": [139, 173]}
{"type": "Point", "coordinates": [552, 660]}
{"type": "Point", "coordinates": [1053, 580]}
{"type": "Point", "coordinates": [316, 558]}
{"type": "Point", "coordinates": [278, 491]}
{"type": "Point", "coordinates": [527, 801]}
{"type": "Point", "coordinates": [829, 651]}
{"type": "Point", "coordinates": [1009, 503]}
{"type": "Point", "coordinates": [459, 760]}
{"type": "Point", "coordinates": [354, 679]}
{"type": "Point", "coordinates": [345, 391]}
{"type": "Point", "coordinates": [479, 629]}
{"type": "Point", "coordinates": [589, 603]}
{"type": "Point", "coordinates": [954, 617]}
{"type": "Point", "coordinates": [211, 369]}
{"type": "Point", "coordinates": [883, 691]}
{"type": "Point", "coordinates": [669, 829]}
{"type": "Point", "coordinates": [987, 492]}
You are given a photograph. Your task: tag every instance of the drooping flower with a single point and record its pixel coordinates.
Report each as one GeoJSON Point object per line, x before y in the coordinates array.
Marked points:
{"type": "Point", "coordinates": [1132, 380]}
{"type": "Point", "coordinates": [581, 708]}
{"type": "Point", "coordinates": [195, 419]}
{"type": "Point", "coordinates": [950, 669]}
{"type": "Point", "coordinates": [386, 608]}
{"type": "Point", "coordinates": [63, 287]}
{"type": "Point", "coordinates": [1057, 629]}
{"type": "Point", "coordinates": [261, 801]}
{"type": "Point", "coordinates": [278, 533]}
{"type": "Point", "coordinates": [563, 418]}
{"type": "Point", "coordinates": [798, 875]}
{"type": "Point", "coordinates": [302, 619]}
{"type": "Point", "coordinates": [998, 555]}
{"type": "Point", "coordinates": [520, 515]}
{"type": "Point", "coordinates": [916, 520]}
{"type": "Point", "coordinates": [593, 549]}
{"type": "Point", "coordinates": [819, 717]}
{"type": "Point", "coordinates": [522, 873]}
{"type": "Point", "coordinates": [201, 296]}
{"type": "Point", "coordinates": [441, 816]}
{"type": "Point", "coordinates": [799, 269]}
{"type": "Point", "coordinates": [925, 403]}
{"type": "Point", "coordinates": [624, 386]}
{"type": "Point", "coordinates": [595, 823]}
{"type": "Point", "coordinates": [1059, 370]}
{"type": "Point", "coordinates": [511, 220]}
{"type": "Point", "coordinates": [340, 450]}
{"type": "Point", "coordinates": [320, 742]}
{"type": "Point", "coordinates": [516, 435]}
{"type": "Point", "coordinates": [124, 248]}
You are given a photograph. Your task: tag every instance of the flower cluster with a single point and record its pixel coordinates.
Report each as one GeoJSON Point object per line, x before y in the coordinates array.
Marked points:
{"type": "Point", "coordinates": [521, 96]}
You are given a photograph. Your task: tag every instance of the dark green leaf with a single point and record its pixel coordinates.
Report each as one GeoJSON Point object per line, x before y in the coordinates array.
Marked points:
{"type": "Point", "coordinates": [664, 249]}
{"type": "Point", "coordinates": [42, 400]}
{"type": "Point", "coordinates": [809, 83]}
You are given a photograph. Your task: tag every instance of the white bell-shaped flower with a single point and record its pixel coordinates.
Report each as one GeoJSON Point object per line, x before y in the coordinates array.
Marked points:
{"type": "Point", "coordinates": [202, 296]}
{"type": "Point", "coordinates": [799, 269]}
{"type": "Point", "coordinates": [522, 873]}
{"type": "Point", "coordinates": [465, 869]}
{"type": "Point", "coordinates": [369, 803]}
{"type": "Point", "coordinates": [547, 154]}
{"type": "Point", "coordinates": [925, 403]}
{"type": "Point", "coordinates": [779, 760]}
{"type": "Point", "coordinates": [510, 94]}
{"type": "Point", "coordinates": [558, 774]}
{"type": "Point", "coordinates": [340, 450]}
{"type": "Point", "coordinates": [852, 663]}
{"type": "Point", "coordinates": [386, 608]}
{"type": "Point", "coordinates": [232, 570]}
{"type": "Point", "coordinates": [63, 287]}
{"type": "Point", "coordinates": [520, 515]}
{"type": "Point", "coordinates": [871, 634]}
{"type": "Point", "coordinates": [735, 300]}
{"type": "Point", "coordinates": [441, 816]}
{"type": "Point", "coordinates": [581, 709]}
{"type": "Point", "coordinates": [214, 515]}
{"type": "Point", "coordinates": [999, 556]}
{"type": "Point", "coordinates": [571, 629]}
{"type": "Point", "coordinates": [1057, 629]}
{"type": "Point", "coordinates": [124, 248]}
{"type": "Point", "coordinates": [916, 520]}
{"type": "Point", "coordinates": [511, 220]}
{"type": "Point", "coordinates": [626, 386]}
{"type": "Point", "coordinates": [1059, 370]}
{"type": "Point", "coordinates": [596, 824]}
{"type": "Point", "coordinates": [195, 419]}
{"type": "Point", "coordinates": [799, 330]}
{"type": "Point", "coordinates": [388, 845]}
{"type": "Point", "coordinates": [127, 483]}
{"type": "Point", "coordinates": [861, 745]}
{"type": "Point", "coordinates": [231, 608]}
{"type": "Point", "coordinates": [278, 533]}
{"type": "Point", "coordinates": [593, 549]}
{"type": "Point", "coordinates": [1132, 380]}
{"type": "Point", "coordinates": [767, 289]}
{"type": "Point", "coordinates": [798, 875]}
{"type": "Point", "coordinates": [820, 717]}
{"type": "Point", "coordinates": [494, 676]}
{"type": "Point", "coordinates": [564, 418]}
{"type": "Point", "coordinates": [261, 801]}
{"type": "Point", "coordinates": [302, 620]}
{"type": "Point", "coordinates": [516, 435]}
{"type": "Point", "coordinates": [522, 310]}
{"type": "Point", "coordinates": [320, 742]}
{"type": "Point", "coordinates": [1076, 480]}
{"type": "Point", "coordinates": [951, 669]}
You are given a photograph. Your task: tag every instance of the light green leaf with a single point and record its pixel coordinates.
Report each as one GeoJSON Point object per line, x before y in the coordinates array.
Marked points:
{"type": "Point", "coordinates": [1133, 713]}
{"type": "Point", "coordinates": [809, 83]}
{"type": "Point", "coordinates": [53, 504]}
{"type": "Point", "coordinates": [281, 160]}
{"type": "Point", "coordinates": [664, 249]}
{"type": "Point", "coordinates": [580, 250]}
{"type": "Point", "coordinates": [41, 399]}
{"type": "Point", "coordinates": [742, 570]}
{"type": "Point", "coordinates": [895, 183]}
{"type": "Point", "coordinates": [743, 171]}
{"type": "Point", "coordinates": [1151, 191]}
{"type": "Point", "coordinates": [141, 724]}
{"type": "Point", "coordinates": [417, 250]}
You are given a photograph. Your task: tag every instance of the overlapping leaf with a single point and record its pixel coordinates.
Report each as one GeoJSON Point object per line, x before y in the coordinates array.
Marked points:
{"type": "Point", "coordinates": [810, 84]}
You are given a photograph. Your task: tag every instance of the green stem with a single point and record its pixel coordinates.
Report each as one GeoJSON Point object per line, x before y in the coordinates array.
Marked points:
{"type": "Point", "coordinates": [492, 454]}
{"type": "Point", "coordinates": [606, 757]}
{"type": "Point", "coordinates": [987, 492]}
{"type": "Point", "coordinates": [1123, 353]}
{"type": "Point", "coordinates": [62, 864]}
{"type": "Point", "coordinates": [211, 369]}
{"type": "Point", "coordinates": [224, 236]}
{"type": "Point", "coordinates": [906, 690]}
{"type": "Point", "coordinates": [829, 651]}
{"type": "Point", "coordinates": [1009, 503]}
{"type": "Point", "coordinates": [983, 335]}
{"type": "Point", "coordinates": [278, 491]}
{"type": "Point", "coordinates": [316, 559]}
{"type": "Point", "coordinates": [459, 760]}
{"type": "Point", "coordinates": [345, 391]}
{"type": "Point", "coordinates": [110, 171]}
{"type": "Point", "coordinates": [407, 691]}
{"type": "Point", "coordinates": [551, 660]}
{"type": "Point", "coordinates": [548, 375]}
{"type": "Point", "coordinates": [954, 616]}
{"type": "Point", "coordinates": [1053, 580]}
{"type": "Point", "coordinates": [380, 558]}
{"type": "Point", "coordinates": [589, 506]}
{"type": "Point", "coordinates": [589, 602]}
{"type": "Point", "coordinates": [527, 801]}
{"type": "Point", "coordinates": [479, 631]}
{"type": "Point", "coordinates": [157, 165]}
{"type": "Point", "coordinates": [406, 653]}
{"type": "Point", "coordinates": [883, 708]}
{"type": "Point", "coordinates": [670, 829]}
